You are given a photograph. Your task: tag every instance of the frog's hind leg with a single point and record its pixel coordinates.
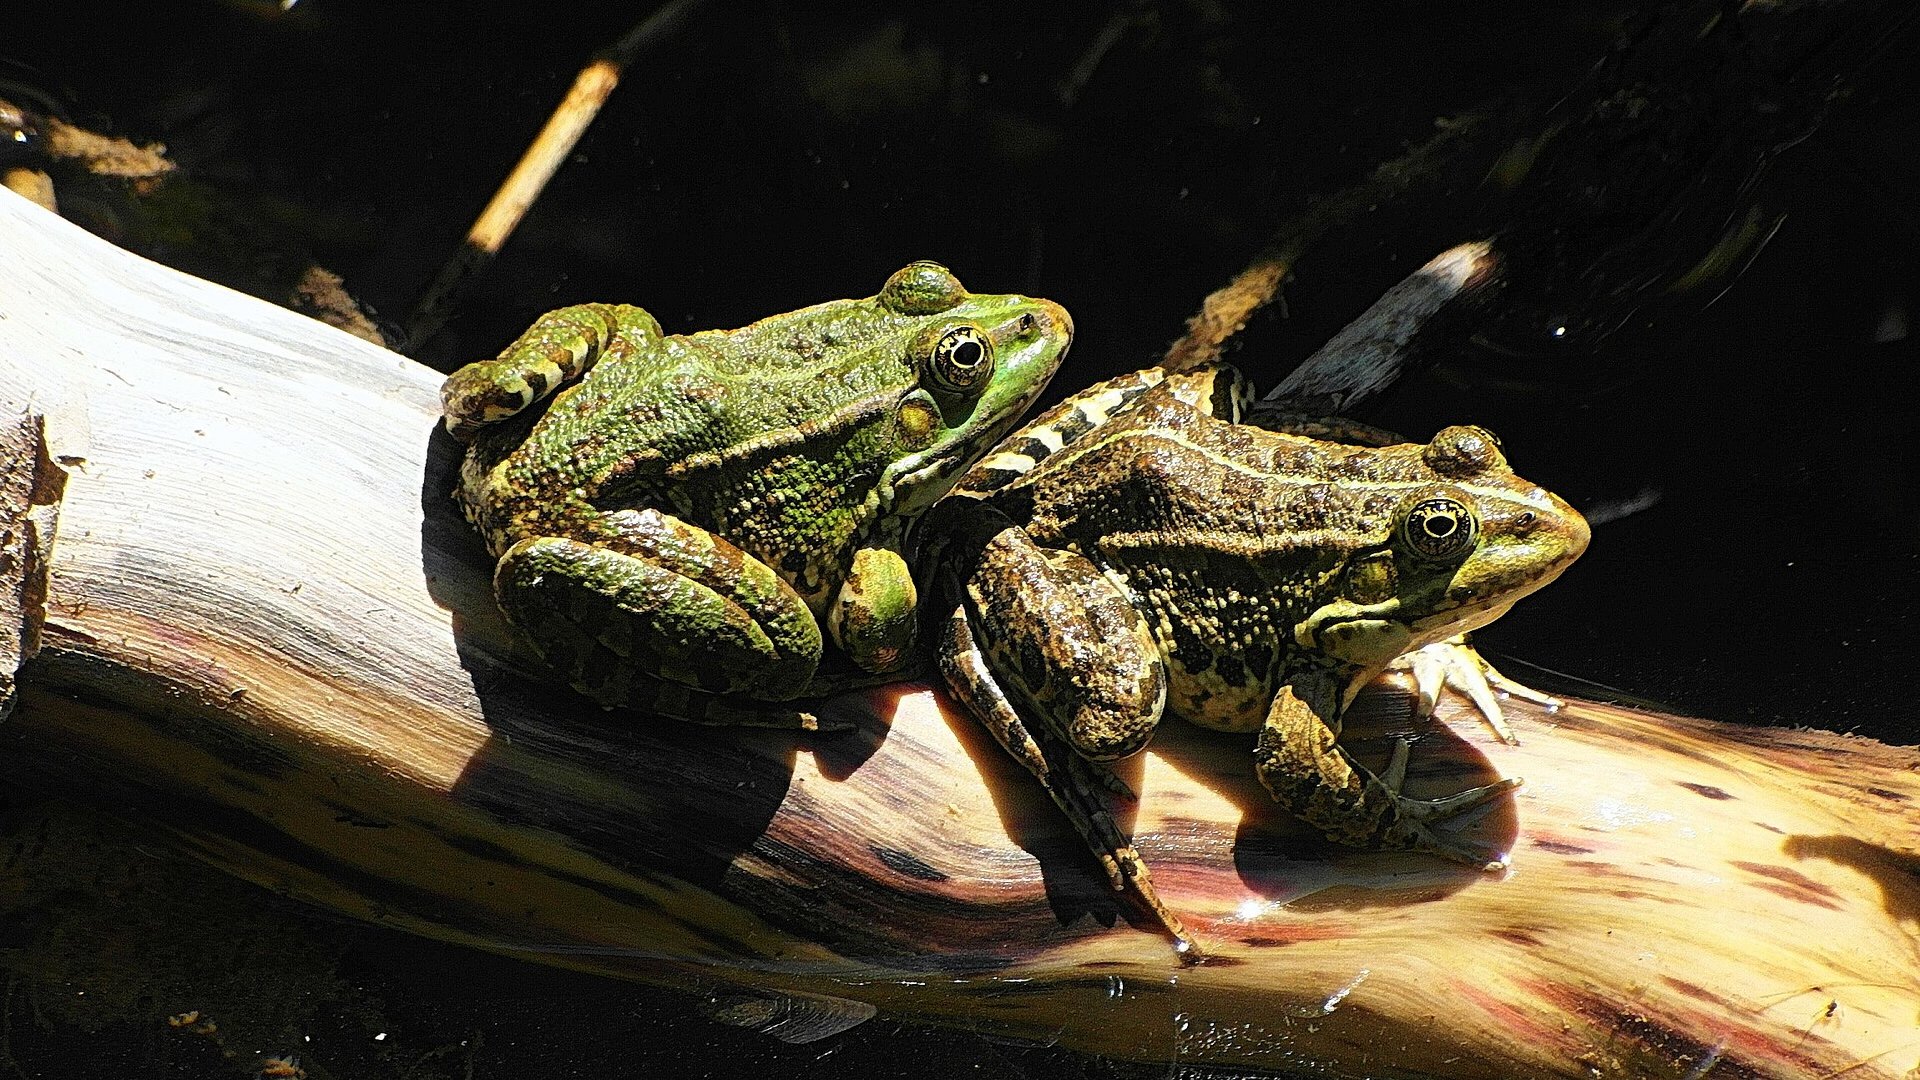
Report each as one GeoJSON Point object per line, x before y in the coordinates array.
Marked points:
{"type": "Point", "coordinates": [643, 693]}
{"type": "Point", "coordinates": [1334, 429]}
{"type": "Point", "coordinates": [971, 678]}
{"type": "Point", "coordinates": [1078, 657]}
{"type": "Point", "coordinates": [558, 348]}
{"type": "Point", "coordinates": [658, 603]}
{"type": "Point", "coordinates": [1217, 390]}
{"type": "Point", "coordinates": [1300, 764]}
{"type": "Point", "coordinates": [1071, 645]}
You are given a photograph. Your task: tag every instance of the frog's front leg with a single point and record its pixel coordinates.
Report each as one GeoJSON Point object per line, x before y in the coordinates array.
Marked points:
{"type": "Point", "coordinates": [1304, 769]}
{"type": "Point", "coordinates": [558, 348]}
{"type": "Point", "coordinates": [1456, 665]}
{"type": "Point", "coordinates": [872, 618]}
{"type": "Point", "coordinates": [1042, 634]}
{"type": "Point", "coordinates": [648, 596]}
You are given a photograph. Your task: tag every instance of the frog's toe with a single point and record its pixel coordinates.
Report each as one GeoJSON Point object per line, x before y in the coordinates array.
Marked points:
{"type": "Point", "coordinates": [1411, 824]}
{"type": "Point", "coordinates": [826, 724]}
{"type": "Point", "coordinates": [1494, 679]}
{"type": "Point", "coordinates": [1429, 678]}
{"type": "Point", "coordinates": [1117, 857]}
{"type": "Point", "coordinates": [1416, 815]}
{"type": "Point", "coordinates": [1102, 776]}
{"type": "Point", "coordinates": [1456, 849]}
{"type": "Point", "coordinates": [1126, 871]}
{"type": "Point", "coordinates": [1455, 665]}
{"type": "Point", "coordinates": [1458, 803]}
{"type": "Point", "coordinates": [1129, 874]}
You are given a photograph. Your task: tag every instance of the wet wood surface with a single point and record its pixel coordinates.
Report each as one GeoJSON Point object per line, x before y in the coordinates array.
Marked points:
{"type": "Point", "coordinates": [269, 634]}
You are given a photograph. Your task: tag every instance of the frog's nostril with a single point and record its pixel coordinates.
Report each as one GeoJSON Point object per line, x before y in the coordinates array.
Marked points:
{"type": "Point", "coordinates": [1061, 320]}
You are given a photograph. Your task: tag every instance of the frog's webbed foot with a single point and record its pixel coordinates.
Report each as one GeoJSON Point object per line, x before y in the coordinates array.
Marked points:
{"type": "Point", "coordinates": [1456, 665]}
{"type": "Point", "coordinates": [1070, 780]}
{"type": "Point", "coordinates": [1298, 761]}
{"type": "Point", "coordinates": [1417, 814]}
{"type": "Point", "coordinates": [1103, 775]}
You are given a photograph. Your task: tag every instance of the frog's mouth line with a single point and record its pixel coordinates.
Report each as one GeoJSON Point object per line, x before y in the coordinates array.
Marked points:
{"type": "Point", "coordinates": [1464, 616]}
{"type": "Point", "coordinates": [937, 469]}
{"type": "Point", "coordinates": [942, 467]}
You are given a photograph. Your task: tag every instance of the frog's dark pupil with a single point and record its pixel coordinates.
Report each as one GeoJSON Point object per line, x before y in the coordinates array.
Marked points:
{"type": "Point", "coordinates": [967, 353]}
{"type": "Point", "coordinates": [1440, 526]}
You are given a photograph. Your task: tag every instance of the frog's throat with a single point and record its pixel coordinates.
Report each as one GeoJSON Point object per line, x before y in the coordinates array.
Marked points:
{"type": "Point", "coordinates": [1360, 634]}
{"type": "Point", "coordinates": [1367, 634]}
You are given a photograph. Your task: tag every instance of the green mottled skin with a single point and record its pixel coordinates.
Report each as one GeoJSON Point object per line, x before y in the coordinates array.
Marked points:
{"type": "Point", "coordinates": [1163, 559]}
{"type": "Point", "coordinates": [694, 519]}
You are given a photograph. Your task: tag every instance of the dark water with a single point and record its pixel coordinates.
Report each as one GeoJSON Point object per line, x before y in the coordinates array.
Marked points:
{"type": "Point", "coordinates": [769, 155]}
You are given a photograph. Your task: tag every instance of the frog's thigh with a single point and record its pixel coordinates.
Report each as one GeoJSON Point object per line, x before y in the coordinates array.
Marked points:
{"type": "Point", "coordinates": [1337, 429]}
{"type": "Point", "coordinates": [872, 619]}
{"type": "Point", "coordinates": [1070, 644]}
{"type": "Point", "coordinates": [1217, 390]}
{"type": "Point", "coordinates": [678, 603]}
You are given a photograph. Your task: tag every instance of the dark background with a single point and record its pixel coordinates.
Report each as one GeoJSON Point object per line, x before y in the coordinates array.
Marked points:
{"type": "Point", "coordinates": [764, 156]}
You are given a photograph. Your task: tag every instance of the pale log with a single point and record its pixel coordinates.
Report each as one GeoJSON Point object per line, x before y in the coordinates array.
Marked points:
{"type": "Point", "coordinates": [268, 634]}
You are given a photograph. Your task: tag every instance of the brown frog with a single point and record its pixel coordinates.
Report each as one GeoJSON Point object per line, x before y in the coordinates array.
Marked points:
{"type": "Point", "coordinates": [1131, 554]}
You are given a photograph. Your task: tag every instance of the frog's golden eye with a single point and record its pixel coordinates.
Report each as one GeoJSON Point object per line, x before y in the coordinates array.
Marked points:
{"type": "Point", "coordinates": [922, 288]}
{"type": "Point", "coordinates": [961, 361]}
{"type": "Point", "coordinates": [1440, 528]}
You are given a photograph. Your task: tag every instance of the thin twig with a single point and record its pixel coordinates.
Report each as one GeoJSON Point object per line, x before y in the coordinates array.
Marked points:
{"type": "Point", "coordinates": [537, 165]}
{"type": "Point", "coordinates": [1117, 24]}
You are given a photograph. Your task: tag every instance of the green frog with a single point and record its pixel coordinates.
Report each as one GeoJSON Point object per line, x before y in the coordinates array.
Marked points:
{"type": "Point", "coordinates": [1136, 551]}
{"type": "Point", "coordinates": [692, 520]}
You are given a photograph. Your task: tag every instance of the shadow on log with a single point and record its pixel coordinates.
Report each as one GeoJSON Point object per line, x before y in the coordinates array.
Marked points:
{"type": "Point", "coordinates": [268, 634]}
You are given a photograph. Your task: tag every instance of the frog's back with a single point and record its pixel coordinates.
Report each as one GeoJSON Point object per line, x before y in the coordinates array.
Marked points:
{"type": "Point", "coordinates": [709, 401]}
{"type": "Point", "coordinates": [1170, 474]}
{"type": "Point", "coordinates": [766, 433]}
